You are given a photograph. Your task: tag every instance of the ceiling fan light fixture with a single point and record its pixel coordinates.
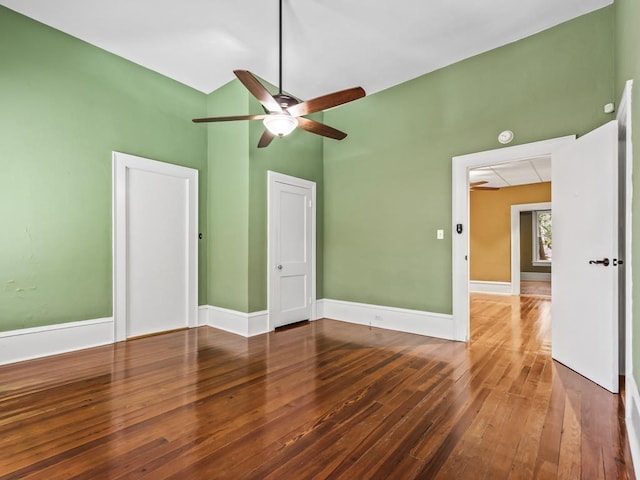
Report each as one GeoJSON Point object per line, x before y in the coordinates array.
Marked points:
{"type": "Point", "coordinates": [280, 124]}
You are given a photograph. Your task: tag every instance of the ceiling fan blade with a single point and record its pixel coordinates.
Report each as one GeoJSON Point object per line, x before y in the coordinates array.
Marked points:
{"type": "Point", "coordinates": [258, 90]}
{"type": "Point", "coordinates": [265, 139]}
{"type": "Point", "coordinates": [229, 119]}
{"type": "Point", "coordinates": [326, 101]}
{"type": "Point", "coordinates": [475, 184]}
{"type": "Point", "coordinates": [320, 128]}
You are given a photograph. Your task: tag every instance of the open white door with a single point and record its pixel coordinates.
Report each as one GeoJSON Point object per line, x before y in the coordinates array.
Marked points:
{"type": "Point", "coordinates": [585, 256]}
{"type": "Point", "coordinates": [291, 249]}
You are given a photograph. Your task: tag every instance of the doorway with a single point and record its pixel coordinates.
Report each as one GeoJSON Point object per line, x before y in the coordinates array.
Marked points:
{"type": "Point", "coordinates": [585, 306]}
{"type": "Point", "coordinates": [497, 199]}
{"type": "Point", "coordinates": [460, 178]}
{"type": "Point", "coordinates": [531, 249]}
{"type": "Point", "coordinates": [155, 272]}
{"type": "Point", "coordinates": [291, 245]}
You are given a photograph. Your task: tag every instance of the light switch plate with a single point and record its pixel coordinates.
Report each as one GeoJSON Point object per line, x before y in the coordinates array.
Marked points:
{"type": "Point", "coordinates": [440, 234]}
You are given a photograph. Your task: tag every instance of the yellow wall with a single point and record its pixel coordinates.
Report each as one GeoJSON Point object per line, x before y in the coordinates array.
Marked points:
{"type": "Point", "coordinates": [490, 234]}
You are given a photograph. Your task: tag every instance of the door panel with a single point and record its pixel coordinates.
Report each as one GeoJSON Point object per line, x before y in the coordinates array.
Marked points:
{"type": "Point", "coordinates": [585, 295]}
{"type": "Point", "coordinates": [155, 229]}
{"type": "Point", "coordinates": [293, 292]}
{"type": "Point", "coordinates": [156, 247]}
{"type": "Point", "coordinates": [292, 225]}
{"type": "Point", "coordinates": [290, 258]}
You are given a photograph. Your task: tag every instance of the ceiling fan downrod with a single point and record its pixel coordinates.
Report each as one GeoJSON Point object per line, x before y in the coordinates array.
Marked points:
{"type": "Point", "coordinates": [280, 50]}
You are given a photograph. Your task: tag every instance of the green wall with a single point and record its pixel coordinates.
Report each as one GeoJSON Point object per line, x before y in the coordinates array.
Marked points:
{"type": "Point", "coordinates": [64, 107]}
{"type": "Point", "coordinates": [388, 185]}
{"type": "Point", "coordinates": [228, 201]}
{"type": "Point", "coordinates": [627, 40]}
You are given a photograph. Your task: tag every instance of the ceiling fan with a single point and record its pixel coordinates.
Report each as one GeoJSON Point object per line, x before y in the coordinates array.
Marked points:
{"type": "Point", "coordinates": [475, 186]}
{"type": "Point", "coordinates": [283, 112]}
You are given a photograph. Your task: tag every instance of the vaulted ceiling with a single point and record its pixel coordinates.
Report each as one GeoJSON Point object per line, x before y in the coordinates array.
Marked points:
{"type": "Point", "coordinates": [328, 45]}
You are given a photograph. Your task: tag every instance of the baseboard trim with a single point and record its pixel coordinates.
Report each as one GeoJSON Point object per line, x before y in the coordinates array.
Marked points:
{"type": "Point", "coordinates": [391, 318]}
{"type": "Point", "coordinates": [535, 276]}
{"type": "Point", "coordinates": [203, 315]}
{"type": "Point", "coordinates": [479, 286]}
{"type": "Point", "coordinates": [632, 419]}
{"type": "Point", "coordinates": [232, 321]}
{"type": "Point", "coordinates": [37, 342]}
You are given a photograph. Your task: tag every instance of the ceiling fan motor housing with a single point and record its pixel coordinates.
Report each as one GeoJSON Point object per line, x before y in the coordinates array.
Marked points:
{"type": "Point", "coordinates": [285, 101]}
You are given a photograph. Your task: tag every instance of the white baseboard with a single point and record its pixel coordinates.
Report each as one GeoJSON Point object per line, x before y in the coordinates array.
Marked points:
{"type": "Point", "coordinates": [535, 276]}
{"type": "Point", "coordinates": [319, 310]}
{"type": "Point", "coordinates": [632, 419]}
{"type": "Point", "coordinates": [401, 319]}
{"type": "Point", "coordinates": [240, 323]}
{"type": "Point", "coordinates": [478, 286]}
{"type": "Point", "coordinates": [30, 343]}
{"type": "Point", "coordinates": [258, 323]}
{"type": "Point", "coordinates": [203, 315]}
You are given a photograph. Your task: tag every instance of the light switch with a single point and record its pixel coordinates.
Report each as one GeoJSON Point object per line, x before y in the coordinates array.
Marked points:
{"type": "Point", "coordinates": [439, 234]}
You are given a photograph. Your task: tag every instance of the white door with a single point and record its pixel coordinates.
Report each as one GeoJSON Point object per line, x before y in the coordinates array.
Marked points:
{"type": "Point", "coordinates": [291, 249]}
{"type": "Point", "coordinates": [585, 255]}
{"type": "Point", "coordinates": [155, 231]}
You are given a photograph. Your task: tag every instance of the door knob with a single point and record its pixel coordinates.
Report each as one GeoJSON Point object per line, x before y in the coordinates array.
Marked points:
{"type": "Point", "coordinates": [604, 261]}
{"type": "Point", "coordinates": [279, 267]}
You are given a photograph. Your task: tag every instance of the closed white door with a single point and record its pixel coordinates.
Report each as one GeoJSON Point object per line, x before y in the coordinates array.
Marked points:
{"type": "Point", "coordinates": [585, 256]}
{"type": "Point", "coordinates": [155, 233]}
{"type": "Point", "coordinates": [291, 244]}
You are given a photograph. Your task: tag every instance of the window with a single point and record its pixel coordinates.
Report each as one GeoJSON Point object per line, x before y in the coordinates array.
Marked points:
{"type": "Point", "coordinates": [542, 252]}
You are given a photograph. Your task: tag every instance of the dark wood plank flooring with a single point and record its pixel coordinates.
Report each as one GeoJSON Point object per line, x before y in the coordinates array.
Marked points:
{"type": "Point", "coordinates": [322, 400]}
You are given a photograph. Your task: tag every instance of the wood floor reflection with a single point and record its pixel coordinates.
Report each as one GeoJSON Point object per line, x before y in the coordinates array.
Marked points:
{"type": "Point", "coordinates": [322, 400]}
{"type": "Point", "coordinates": [528, 287]}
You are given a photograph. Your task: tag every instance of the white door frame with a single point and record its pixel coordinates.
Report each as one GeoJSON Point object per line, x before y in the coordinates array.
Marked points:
{"type": "Point", "coordinates": [121, 163]}
{"type": "Point", "coordinates": [272, 178]}
{"type": "Point", "coordinates": [460, 215]}
{"type": "Point", "coordinates": [515, 239]}
{"type": "Point", "coordinates": [624, 123]}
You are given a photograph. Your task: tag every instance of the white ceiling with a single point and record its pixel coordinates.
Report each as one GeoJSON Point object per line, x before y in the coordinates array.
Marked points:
{"type": "Point", "coordinates": [533, 170]}
{"type": "Point", "coordinates": [328, 45]}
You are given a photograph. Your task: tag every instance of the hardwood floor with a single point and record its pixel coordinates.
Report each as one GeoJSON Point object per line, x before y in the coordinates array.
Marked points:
{"type": "Point", "coordinates": [322, 400]}
{"type": "Point", "coordinates": [528, 287]}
